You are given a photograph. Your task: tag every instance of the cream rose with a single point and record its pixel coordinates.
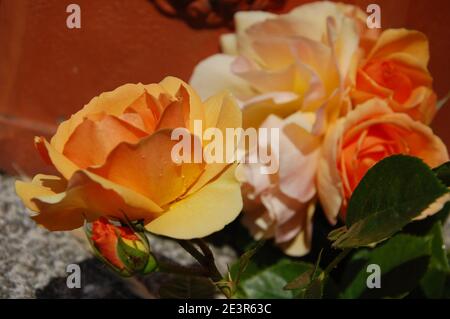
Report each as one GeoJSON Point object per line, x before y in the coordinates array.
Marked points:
{"type": "Point", "coordinates": [312, 52]}
{"type": "Point", "coordinates": [281, 205]}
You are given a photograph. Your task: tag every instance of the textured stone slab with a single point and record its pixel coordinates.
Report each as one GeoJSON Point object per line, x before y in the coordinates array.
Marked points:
{"type": "Point", "coordinates": [30, 256]}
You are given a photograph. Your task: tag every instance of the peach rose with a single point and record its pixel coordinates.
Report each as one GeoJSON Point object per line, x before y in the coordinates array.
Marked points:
{"type": "Point", "coordinates": [365, 136]}
{"type": "Point", "coordinates": [114, 157]}
{"type": "Point", "coordinates": [281, 205]}
{"type": "Point", "coordinates": [396, 70]}
{"type": "Point", "coordinates": [312, 52]}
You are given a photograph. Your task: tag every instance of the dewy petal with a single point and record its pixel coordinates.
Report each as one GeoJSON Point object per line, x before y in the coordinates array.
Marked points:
{"type": "Point", "coordinates": [204, 212]}
{"type": "Point", "coordinates": [183, 92]}
{"type": "Point", "coordinates": [112, 103]}
{"type": "Point", "coordinates": [177, 113]}
{"type": "Point", "coordinates": [87, 198]}
{"type": "Point", "coordinates": [214, 74]}
{"type": "Point", "coordinates": [221, 112]}
{"type": "Point", "coordinates": [148, 168]}
{"type": "Point", "coordinates": [92, 141]}
{"type": "Point", "coordinates": [144, 112]}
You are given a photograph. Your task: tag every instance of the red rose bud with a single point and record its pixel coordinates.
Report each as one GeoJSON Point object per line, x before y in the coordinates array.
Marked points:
{"type": "Point", "coordinates": [124, 249]}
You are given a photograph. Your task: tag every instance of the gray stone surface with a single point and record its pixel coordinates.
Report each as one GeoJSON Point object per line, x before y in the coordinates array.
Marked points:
{"type": "Point", "coordinates": [33, 260]}
{"type": "Point", "coordinates": [29, 255]}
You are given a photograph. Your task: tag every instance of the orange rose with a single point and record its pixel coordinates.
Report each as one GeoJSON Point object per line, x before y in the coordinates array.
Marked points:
{"type": "Point", "coordinates": [115, 160]}
{"type": "Point", "coordinates": [396, 69]}
{"type": "Point", "coordinates": [358, 141]}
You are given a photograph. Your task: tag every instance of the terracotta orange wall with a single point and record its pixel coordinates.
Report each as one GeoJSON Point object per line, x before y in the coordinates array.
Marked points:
{"type": "Point", "coordinates": [48, 71]}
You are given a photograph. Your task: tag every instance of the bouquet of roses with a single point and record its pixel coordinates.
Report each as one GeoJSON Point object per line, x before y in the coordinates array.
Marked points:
{"type": "Point", "coordinates": [354, 154]}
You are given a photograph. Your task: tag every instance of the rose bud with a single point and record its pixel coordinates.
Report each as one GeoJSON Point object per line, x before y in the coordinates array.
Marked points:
{"type": "Point", "coordinates": [124, 249]}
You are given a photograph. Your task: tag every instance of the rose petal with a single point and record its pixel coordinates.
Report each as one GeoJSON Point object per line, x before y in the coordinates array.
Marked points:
{"type": "Point", "coordinates": [222, 113]}
{"type": "Point", "coordinates": [92, 141]}
{"type": "Point", "coordinates": [202, 213]}
{"type": "Point", "coordinates": [281, 104]}
{"type": "Point", "coordinates": [148, 168]}
{"type": "Point", "coordinates": [410, 42]}
{"type": "Point", "coordinates": [214, 74]}
{"type": "Point", "coordinates": [88, 197]}
{"type": "Point", "coordinates": [112, 103]}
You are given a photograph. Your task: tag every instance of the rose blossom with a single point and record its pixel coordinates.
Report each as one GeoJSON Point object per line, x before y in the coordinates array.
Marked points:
{"type": "Point", "coordinates": [358, 141]}
{"type": "Point", "coordinates": [396, 70]}
{"type": "Point", "coordinates": [281, 205]}
{"type": "Point", "coordinates": [312, 52]}
{"type": "Point", "coordinates": [114, 157]}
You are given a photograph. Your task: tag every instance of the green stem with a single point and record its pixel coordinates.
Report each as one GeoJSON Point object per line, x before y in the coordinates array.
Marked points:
{"type": "Point", "coordinates": [336, 261]}
{"type": "Point", "coordinates": [190, 248]}
{"type": "Point", "coordinates": [209, 259]}
{"type": "Point", "coordinates": [206, 259]}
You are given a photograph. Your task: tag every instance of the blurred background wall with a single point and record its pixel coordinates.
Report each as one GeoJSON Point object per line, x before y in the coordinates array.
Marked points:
{"type": "Point", "coordinates": [48, 71]}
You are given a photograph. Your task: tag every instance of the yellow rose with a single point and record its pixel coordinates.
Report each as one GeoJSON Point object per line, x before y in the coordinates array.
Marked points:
{"type": "Point", "coordinates": [114, 157]}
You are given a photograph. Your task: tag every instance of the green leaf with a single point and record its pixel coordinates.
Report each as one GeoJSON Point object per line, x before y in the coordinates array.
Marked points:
{"type": "Point", "coordinates": [187, 287]}
{"type": "Point", "coordinates": [151, 265]}
{"type": "Point", "coordinates": [269, 282]}
{"type": "Point", "coordinates": [301, 281]}
{"type": "Point", "coordinates": [310, 282]}
{"type": "Point", "coordinates": [443, 173]}
{"type": "Point", "coordinates": [392, 193]}
{"type": "Point", "coordinates": [433, 283]}
{"type": "Point", "coordinates": [244, 261]}
{"type": "Point", "coordinates": [134, 259]}
{"type": "Point", "coordinates": [314, 290]}
{"type": "Point", "coordinates": [403, 260]}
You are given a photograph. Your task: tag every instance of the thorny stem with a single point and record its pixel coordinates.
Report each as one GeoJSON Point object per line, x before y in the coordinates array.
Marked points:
{"type": "Point", "coordinates": [206, 259]}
